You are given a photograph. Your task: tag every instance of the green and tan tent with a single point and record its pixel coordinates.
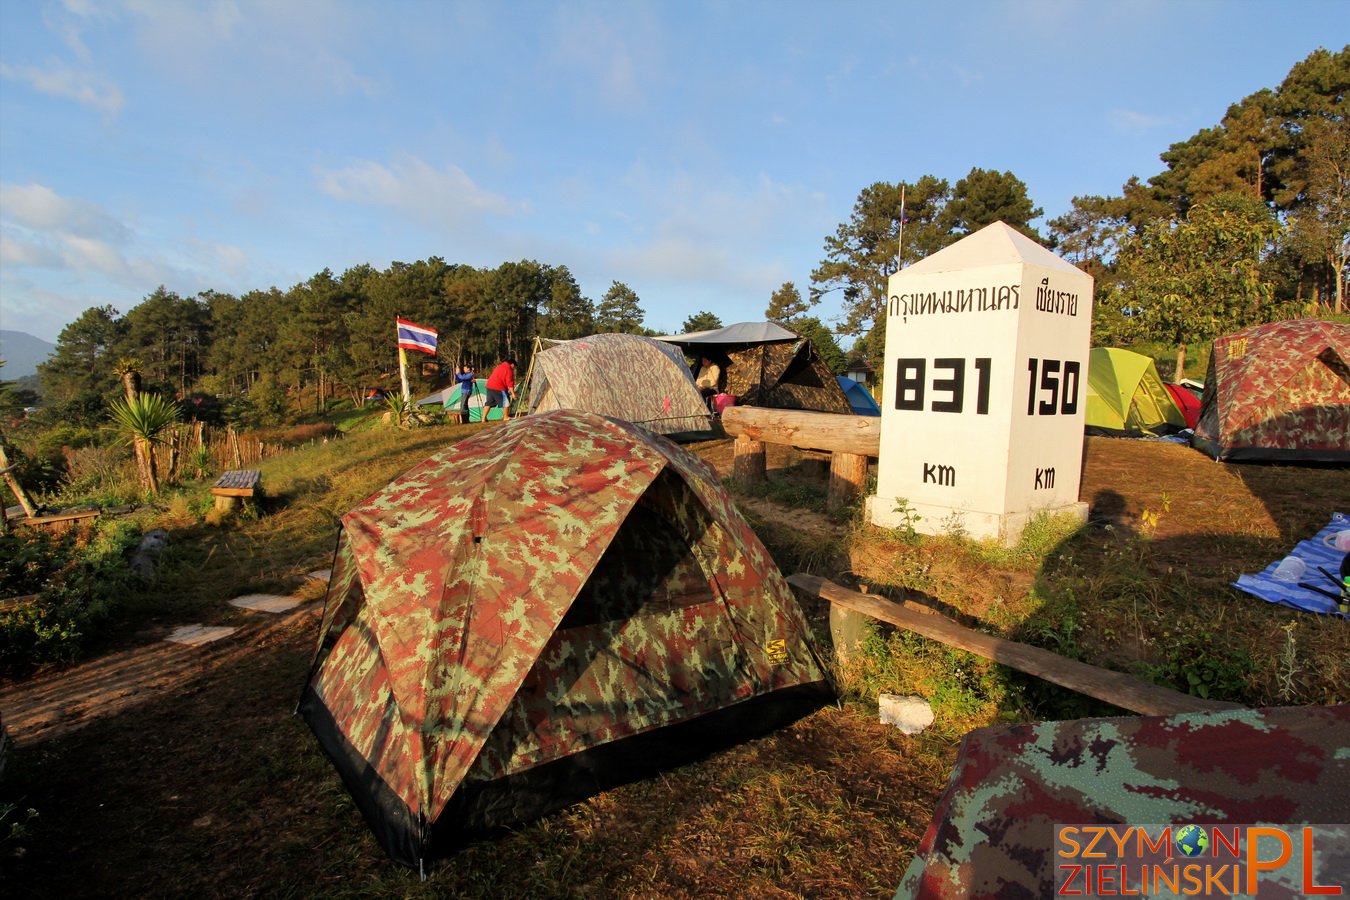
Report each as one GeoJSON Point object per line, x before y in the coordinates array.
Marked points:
{"type": "Point", "coordinates": [1126, 398]}
{"type": "Point", "coordinates": [557, 605]}
{"type": "Point", "coordinates": [626, 376]}
{"type": "Point", "coordinates": [1278, 391]}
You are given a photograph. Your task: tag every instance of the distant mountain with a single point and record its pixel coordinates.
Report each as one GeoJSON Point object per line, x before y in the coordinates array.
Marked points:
{"type": "Point", "coordinates": [22, 352]}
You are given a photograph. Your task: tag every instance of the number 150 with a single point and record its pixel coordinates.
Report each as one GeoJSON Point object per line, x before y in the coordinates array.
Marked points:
{"type": "Point", "coordinates": [1059, 395]}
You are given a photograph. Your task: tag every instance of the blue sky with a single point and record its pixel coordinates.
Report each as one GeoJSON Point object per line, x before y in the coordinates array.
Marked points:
{"type": "Point", "coordinates": [699, 152]}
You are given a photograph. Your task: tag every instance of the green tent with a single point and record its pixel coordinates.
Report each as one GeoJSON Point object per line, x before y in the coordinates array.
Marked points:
{"type": "Point", "coordinates": [552, 607]}
{"type": "Point", "coordinates": [1126, 398]}
{"type": "Point", "coordinates": [452, 398]}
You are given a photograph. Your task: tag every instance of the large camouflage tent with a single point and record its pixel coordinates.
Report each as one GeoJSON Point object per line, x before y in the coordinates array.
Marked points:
{"type": "Point", "coordinates": [1278, 391]}
{"type": "Point", "coordinates": [765, 364]}
{"type": "Point", "coordinates": [556, 605]}
{"type": "Point", "coordinates": [626, 376]}
{"type": "Point", "coordinates": [993, 832]}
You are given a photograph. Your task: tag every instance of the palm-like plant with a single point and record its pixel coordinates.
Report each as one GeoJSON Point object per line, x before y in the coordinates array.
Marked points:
{"type": "Point", "coordinates": [144, 420]}
{"type": "Point", "coordinates": [403, 412]}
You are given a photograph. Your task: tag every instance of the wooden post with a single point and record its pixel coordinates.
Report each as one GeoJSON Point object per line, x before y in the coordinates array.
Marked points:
{"type": "Point", "coordinates": [848, 479]}
{"type": "Point", "coordinates": [1123, 690]}
{"type": "Point", "coordinates": [403, 374]}
{"type": "Point", "coordinates": [19, 493]}
{"type": "Point", "coordinates": [747, 467]}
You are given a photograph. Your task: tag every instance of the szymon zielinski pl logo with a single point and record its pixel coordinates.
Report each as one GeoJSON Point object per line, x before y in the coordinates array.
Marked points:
{"type": "Point", "coordinates": [1201, 860]}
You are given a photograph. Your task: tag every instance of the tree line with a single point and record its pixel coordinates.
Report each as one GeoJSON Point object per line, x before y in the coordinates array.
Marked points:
{"type": "Point", "coordinates": [268, 351]}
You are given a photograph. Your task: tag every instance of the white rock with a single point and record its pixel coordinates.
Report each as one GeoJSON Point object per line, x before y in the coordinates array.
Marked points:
{"type": "Point", "coordinates": [910, 714]}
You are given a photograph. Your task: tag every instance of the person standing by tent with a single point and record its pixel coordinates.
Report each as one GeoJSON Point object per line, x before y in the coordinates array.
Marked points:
{"type": "Point", "coordinates": [465, 379]}
{"type": "Point", "coordinates": [709, 374]}
{"type": "Point", "coordinates": [500, 385]}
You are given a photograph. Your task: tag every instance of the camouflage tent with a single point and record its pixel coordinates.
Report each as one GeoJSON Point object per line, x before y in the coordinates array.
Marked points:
{"type": "Point", "coordinates": [1278, 391]}
{"type": "Point", "coordinates": [764, 364]}
{"type": "Point", "coordinates": [993, 832]}
{"type": "Point", "coordinates": [625, 376]}
{"type": "Point", "coordinates": [559, 604]}
{"type": "Point", "coordinates": [1126, 398]}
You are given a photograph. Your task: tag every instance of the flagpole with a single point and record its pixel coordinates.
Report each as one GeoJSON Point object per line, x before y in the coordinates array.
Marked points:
{"type": "Point", "coordinates": [403, 368]}
{"type": "Point", "coordinates": [900, 244]}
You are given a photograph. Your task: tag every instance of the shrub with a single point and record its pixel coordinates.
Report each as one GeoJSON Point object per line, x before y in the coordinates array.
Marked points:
{"type": "Point", "coordinates": [98, 471]}
{"type": "Point", "coordinates": [79, 579]}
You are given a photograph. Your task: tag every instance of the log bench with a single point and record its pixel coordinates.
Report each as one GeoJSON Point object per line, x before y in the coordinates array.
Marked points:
{"type": "Point", "coordinates": [235, 486]}
{"type": "Point", "coordinates": [850, 441]}
{"type": "Point", "coordinates": [57, 523]}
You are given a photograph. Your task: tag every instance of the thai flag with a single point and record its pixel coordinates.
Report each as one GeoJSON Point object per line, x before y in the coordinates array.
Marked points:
{"type": "Point", "coordinates": [415, 337]}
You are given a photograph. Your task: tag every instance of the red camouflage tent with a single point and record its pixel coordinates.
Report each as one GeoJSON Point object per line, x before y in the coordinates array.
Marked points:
{"type": "Point", "coordinates": [1278, 391]}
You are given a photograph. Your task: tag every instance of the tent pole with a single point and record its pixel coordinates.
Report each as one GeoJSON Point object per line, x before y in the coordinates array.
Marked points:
{"type": "Point", "coordinates": [534, 353]}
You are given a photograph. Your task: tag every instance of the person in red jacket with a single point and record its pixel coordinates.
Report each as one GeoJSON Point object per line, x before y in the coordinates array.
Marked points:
{"type": "Point", "coordinates": [500, 385]}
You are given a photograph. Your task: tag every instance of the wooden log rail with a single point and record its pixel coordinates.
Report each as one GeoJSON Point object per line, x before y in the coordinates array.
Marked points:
{"type": "Point", "coordinates": [849, 440]}
{"type": "Point", "coordinates": [1123, 690]}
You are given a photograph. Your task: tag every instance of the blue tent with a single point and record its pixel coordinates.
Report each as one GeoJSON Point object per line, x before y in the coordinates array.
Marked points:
{"type": "Point", "coordinates": [858, 397]}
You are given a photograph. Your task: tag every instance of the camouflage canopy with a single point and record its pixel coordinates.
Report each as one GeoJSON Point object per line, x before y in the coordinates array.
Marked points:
{"type": "Point", "coordinates": [558, 604]}
{"type": "Point", "coordinates": [993, 832]}
{"type": "Point", "coordinates": [625, 376]}
{"type": "Point", "coordinates": [1278, 391]}
{"type": "Point", "coordinates": [768, 366]}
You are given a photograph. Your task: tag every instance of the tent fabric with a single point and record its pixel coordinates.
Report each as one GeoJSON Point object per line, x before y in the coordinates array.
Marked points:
{"type": "Point", "coordinates": [1279, 391]}
{"type": "Point", "coordinates": [539, 612]}
{"type": "Point", "coordinates": [1186, 401]}
{"type": "Point", "coordinates": [740, 333]}
{"type": "Point", "coordinates": [863, 403]}
{"type": "Point", "coordinates": [1318, 550]}
{"type": "Point", "coordinates": [626, 376]}
{"type": "Point", "coordinates": [1126, 398]}
{"type": "Point", "coordinates": [477, 401]}
{"type": "Point", "coordinates": [765, 364]}
{"type": "Point", "coordinates": [993, 832]}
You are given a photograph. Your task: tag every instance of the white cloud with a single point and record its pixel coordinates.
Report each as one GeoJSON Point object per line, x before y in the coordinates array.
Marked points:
{"type": "Point", "coordinates": [18, 250]}
{"type": "Point", "coordinates": [417, 189]}
{"type": "Point", "coordinates": [39, 208]}
{"type": "Point", "coordinates": [1130, 122]}
{"type": "Point", "coordinates": [618, 57]}
{"type": "Point", "coordinates": [83, 254]}
{"type": "Point", "coordinates": [285, 46]}
{"type": "Point", "coordinates": [60, 80]}
{"type": "Point", "coordinates": [967, 77]}
{"type": "Point", "coordinates": [82, 243]}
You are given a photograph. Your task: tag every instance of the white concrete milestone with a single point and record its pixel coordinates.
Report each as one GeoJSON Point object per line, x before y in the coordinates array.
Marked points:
{"type": "Point", "coordinates": [983, 390]}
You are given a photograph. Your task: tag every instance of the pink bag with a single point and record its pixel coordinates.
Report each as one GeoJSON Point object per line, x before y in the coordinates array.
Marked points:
{"type": "Point", "coordinates": [722, 401]}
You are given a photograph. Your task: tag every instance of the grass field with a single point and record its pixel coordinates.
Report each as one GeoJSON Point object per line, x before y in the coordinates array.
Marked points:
{"type": "Point", "coordinates": [209, 785]}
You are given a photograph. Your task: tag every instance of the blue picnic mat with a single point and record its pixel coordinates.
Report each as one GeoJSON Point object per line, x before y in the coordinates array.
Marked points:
{"type": "Point", "coordinates": [1315, 551]}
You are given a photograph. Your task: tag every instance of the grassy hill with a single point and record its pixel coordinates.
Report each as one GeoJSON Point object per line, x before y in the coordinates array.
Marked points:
{"type": "Point", "coordinates": [208, 784]}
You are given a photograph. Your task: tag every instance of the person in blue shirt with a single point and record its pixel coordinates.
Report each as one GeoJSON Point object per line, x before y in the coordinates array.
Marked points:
{"type": "Point", "coordinates": [465, 378]}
